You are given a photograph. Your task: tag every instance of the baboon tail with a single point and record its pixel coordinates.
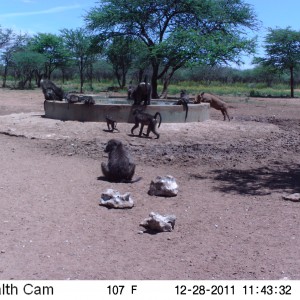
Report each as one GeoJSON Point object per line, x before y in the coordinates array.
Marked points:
{"type": "Point", "coordinates": [160, 119]}
{"type": "Point", "coordinates": [132, 181]}
{"type": "Point", "coordinates": [186, 107]}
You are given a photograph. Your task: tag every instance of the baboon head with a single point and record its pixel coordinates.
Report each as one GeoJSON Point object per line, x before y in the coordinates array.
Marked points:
{"type": "Point", "coordinates": [183, 93]}
{"type": "Point", "coordinates": [197, 98]}
{"type": "Point", "coordinates": [111, 145]}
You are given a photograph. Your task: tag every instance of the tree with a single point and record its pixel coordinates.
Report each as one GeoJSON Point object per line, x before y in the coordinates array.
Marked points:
{"type": "Point", "coordinates": [52, 47]}
{"type": "Point", "coordinates": [282, 48]}
{"type": "Point", "coordinates": [79, 44]}
{"type": "Point", "coordinates": [15, 43]}
{"type": "Point", "coordinates": [121, 53]}
{"type": "Point", "coordinates": [26, 64]}
{"type": "Point", "coordinates": [5, 36]}
{"type": "Point", "coordinates": [177, 32]}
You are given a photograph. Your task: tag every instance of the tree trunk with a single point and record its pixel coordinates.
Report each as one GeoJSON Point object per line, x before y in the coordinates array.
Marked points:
{"type": "Point", "coordinates": [81, 70]}
{"type": "Point", "coordinates": [292, 81]}
{"type": "Point", "coordinates": [154, 81]}
{"type": "Point", "coordinates": [166, 84]}
{"type": "Point", "coordinates": [123, 79]}
{"type": "Point", "coordinates": [164, 92]}
{"type": "Point", "coordinates": [5, 76]}
{"type": "Point", "coordinates": [91, 75]}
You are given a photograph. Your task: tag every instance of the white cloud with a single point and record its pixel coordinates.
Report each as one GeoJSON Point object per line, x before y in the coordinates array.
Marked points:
{"type": "Point", "coordinates": [53, 10]}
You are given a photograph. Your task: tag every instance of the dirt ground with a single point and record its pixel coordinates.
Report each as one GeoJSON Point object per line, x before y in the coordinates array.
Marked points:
{"type": "Point", "coordinates": [232, 222]}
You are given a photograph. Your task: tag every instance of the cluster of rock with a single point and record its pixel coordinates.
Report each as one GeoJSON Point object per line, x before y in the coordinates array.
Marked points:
{"type": "Point", "coordinates": [164, 186]}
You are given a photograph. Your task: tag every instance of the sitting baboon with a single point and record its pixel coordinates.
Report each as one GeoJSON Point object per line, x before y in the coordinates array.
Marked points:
{"type": "Point", "coordinates": [140, 117]}
{"type": "Point", "coordinates": [142, 93]}
{"type": "Point", "coordinates": [215, 102]}
{"type": "Point", "coordinates": [111, 124]}
{"type": "Point", "coordinates": [184, 100]}
{"type": "Point", "coordinates": [120, 167]}
{"type": "Point", "coordinates": [51, 91]}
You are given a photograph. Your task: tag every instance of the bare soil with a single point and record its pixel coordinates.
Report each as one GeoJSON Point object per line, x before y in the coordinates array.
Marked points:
{"type": "Point", "coordinates": [232, 222]}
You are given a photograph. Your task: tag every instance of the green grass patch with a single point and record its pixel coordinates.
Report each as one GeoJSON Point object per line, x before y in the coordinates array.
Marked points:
{"type": "Point", "coordinates": [234, 89]}
{"type": "Point", "coordinates": [192, 87]}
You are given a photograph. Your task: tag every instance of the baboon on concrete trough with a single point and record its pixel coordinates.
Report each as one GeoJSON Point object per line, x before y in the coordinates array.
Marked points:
{"type": "Point", "coordinates": [111, 124]}
{"type": "Point", "coordinates": [88, 100]}
{"type": "Point", "coordinates": [215, 102]}
{"type": "Point", "coordinates": [143, 118]}
{"type": "Point", "coordinates": [120, 166]}
{"type": "Point", "coordinates": [72, 98]}
{"type": "Point", "coordinates": [130, 89]}
{"type": "Point", "coordinates": [184, 100]}
{"type": "Point", "coordinates": [51, 91]}
{"type": "Point", "coordinates": [142, 93]}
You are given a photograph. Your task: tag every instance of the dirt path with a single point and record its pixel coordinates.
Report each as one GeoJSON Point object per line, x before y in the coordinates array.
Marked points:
{"type": "Point", "coordinates": [232, 222]}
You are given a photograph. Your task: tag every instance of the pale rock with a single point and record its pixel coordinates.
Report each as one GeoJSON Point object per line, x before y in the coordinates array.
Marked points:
{"type": "Point", "coordinates": [157, 222]}
{"type": "Point", "coordinates": [163, 186]}
{"type": "Point", "coordinates": [293, 197]}
{"type": "Point", "coordinates": [113, 199]}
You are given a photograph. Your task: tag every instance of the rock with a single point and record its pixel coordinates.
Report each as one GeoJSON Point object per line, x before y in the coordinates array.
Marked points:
{"type": "Point", "coordinates": [112, 199]}
{"type": "Point", "coordinates": [157, 222]}
{"type": "Point", "coordinates": [293, 197]}
{"type": "Point", "coordinates": [163, 186]}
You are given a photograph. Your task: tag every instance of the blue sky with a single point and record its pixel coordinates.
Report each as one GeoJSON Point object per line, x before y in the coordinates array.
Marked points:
{"type": "Point", "coordinates": [49, 16]}
{"type": "Point", "coordinates": [46, 16]}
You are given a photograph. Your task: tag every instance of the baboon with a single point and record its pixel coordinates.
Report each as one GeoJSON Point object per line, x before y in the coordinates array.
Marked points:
{"type": "Point", "coordinates": [215, 102]}
{"type": "Point", "coordinates": [130, 89]}
{"type": "Point", "coordinates": [88, 100]}
{"type": "Point", "coordinates": [142, 93]}
{"type": "Point", "coordinates": [140, 117]}
{"type": "Point", "coordinates": [184, 100]}
{"type": "Point", "coordinates": [111, 124]}
{"type": "Point", "coordinates": [120, 167]}
{"type": "Point", "coordinates": [72, 98]}
{"type": "Point", "coordinates": [51, 91]}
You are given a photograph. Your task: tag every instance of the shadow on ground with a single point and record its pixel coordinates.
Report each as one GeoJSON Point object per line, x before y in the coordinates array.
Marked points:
{"type": "Point", "coordinates": [259, 181]}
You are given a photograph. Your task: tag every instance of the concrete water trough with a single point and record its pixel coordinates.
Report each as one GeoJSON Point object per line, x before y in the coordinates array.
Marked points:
{"type": "Point", "coordinates": [121, 110]}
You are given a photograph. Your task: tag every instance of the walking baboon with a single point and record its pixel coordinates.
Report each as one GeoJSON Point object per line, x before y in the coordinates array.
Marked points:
{"type": "Point", "coordinates": [215, 102]}
{"type": "Point", "coordinates": [111, 124]}
{"type": "Point", "coordinates": [120, 167]}
{"type": "Point", "coordinates": [140, 117]}
{"type": "Point", "coordinates": [51, 91]}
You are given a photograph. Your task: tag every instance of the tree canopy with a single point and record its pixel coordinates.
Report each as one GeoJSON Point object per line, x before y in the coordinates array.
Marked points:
{"type": "Point", "coordinates": [282, 48]}
{"type": "Point", "coordinates": [178, 32]}
{"type": "Point", "coordinates": [79, 44]}
{"type": "Point", "coordinates": [52, 47]}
